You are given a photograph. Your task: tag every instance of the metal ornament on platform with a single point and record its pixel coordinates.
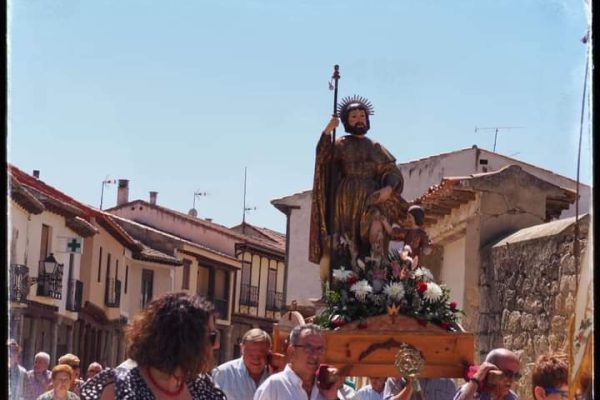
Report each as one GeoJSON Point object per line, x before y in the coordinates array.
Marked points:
{"type": "Point", "coordinates": [410, 363]}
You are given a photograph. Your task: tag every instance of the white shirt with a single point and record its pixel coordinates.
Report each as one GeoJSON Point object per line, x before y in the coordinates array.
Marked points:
{"type": "Point", "coordinates": [367, 393]}
{"type": "Point", "coordinates": [234, 379]}
{"type": "Point", "coordinates": [286, 385]}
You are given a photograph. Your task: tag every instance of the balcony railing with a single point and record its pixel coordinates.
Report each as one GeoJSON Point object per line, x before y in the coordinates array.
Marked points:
{"type": "Point", "coordinates": [249, 295]}
{"type": "Point", "coordinates": [19, 283]}
{"type": "Point", "coordinates": [274, 301]}
{"type": "Point", "coordinates": [50, 284]}
{"type": "Point", "coordinates": [112, 293]}
{"type": "Point", "coordinates": [74, 295]}
{"type": "Point", "coordinates": [221, 308]}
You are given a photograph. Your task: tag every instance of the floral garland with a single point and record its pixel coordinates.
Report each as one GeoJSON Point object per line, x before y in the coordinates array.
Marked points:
{"type": "Point", "coordinates": [390, 286]}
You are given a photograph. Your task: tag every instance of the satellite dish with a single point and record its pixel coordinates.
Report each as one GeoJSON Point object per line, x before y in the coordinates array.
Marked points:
{"type": "Point", "coordinates": [193, 212]}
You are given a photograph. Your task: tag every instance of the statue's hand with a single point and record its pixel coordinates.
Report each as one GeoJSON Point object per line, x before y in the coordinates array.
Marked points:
{"type": "Point", "coordinates": [333, 123]}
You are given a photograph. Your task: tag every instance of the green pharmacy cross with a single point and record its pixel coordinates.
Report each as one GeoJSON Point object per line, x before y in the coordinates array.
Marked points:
{"type": "Point", "coordinates": [74, 246]}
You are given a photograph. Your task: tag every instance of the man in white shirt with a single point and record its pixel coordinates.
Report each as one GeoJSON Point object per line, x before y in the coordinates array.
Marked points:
{"type": "Point", "coordinates": [372, 391]}
{"type": "Point", "coordinates": [239, 378]}
{"type": "Point", "coordinates": [306, 348]}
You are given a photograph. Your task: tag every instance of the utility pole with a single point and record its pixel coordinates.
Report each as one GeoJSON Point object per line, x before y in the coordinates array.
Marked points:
{"type": "Point", "coordinates": [496, 129]}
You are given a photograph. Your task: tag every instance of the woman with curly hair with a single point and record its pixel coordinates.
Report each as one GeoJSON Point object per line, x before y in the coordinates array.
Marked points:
{"type": "Point", "coordinates": [170, 348]}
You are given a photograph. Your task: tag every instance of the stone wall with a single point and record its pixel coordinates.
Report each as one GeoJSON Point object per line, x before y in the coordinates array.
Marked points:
{"type": "Point", "coordinates": [528, 291]}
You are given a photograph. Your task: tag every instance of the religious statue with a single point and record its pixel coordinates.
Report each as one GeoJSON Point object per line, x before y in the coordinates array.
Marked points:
{"type": "Point", "coordinates": [357, 188]}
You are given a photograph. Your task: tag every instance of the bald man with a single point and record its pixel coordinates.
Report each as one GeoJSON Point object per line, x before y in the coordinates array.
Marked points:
{"type": "Point", "coordinates": [481, 386]}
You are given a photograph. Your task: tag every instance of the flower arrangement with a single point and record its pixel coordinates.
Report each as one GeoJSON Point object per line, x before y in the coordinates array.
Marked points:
{"type": "Point", "coordinates": [388, 286]}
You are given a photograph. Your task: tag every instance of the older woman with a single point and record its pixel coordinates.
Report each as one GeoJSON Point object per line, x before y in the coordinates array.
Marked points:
{"type": "Point", "coordinates": [62, 376]}
{"type": "Point", "coordinates": [170, 347]}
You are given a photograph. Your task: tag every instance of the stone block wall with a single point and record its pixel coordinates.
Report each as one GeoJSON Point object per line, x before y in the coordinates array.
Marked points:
{"type": "Point", "coordinates": [528, 292]}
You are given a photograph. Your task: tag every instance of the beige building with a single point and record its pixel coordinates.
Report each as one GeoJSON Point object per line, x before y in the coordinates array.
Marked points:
{"type": "Point", "coordinates": [74, 274]}
{"type": "Point", "coordinates": [250, 291]}
{"type": "Point", "coordinates": [465, 214]}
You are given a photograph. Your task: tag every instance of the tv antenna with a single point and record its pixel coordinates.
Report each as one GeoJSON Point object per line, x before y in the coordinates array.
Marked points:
{"type": "Point", "coordinates": [193, 212]}
{"type": "Point", "coordinates": [246, 209]}
{"type": "Point", "coordinates": [496, 129]}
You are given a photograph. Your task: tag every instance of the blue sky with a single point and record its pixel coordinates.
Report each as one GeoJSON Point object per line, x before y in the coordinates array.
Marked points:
{"type": "Point", "coordinates": [181, 96]}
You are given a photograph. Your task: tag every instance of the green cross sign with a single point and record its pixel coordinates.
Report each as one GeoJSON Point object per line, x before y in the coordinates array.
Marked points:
{"type": "Point", "coordinates": [74, 246]}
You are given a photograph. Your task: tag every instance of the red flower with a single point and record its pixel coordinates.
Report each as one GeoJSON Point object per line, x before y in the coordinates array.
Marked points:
{"type": "Point", "coordinates": [421, 287]}
{"type": "Point", "coordinates": [453, 306]}
{"type": "Point", "coordinates": [445, 325]}
{"type": "Point", "coordinates": [352, 280]}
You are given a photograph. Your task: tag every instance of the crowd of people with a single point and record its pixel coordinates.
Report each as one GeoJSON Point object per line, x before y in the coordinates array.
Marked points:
{"type": "Point", "coordinates": [61, 382]}
{"type": "Point", "coordinates": [170, 348]}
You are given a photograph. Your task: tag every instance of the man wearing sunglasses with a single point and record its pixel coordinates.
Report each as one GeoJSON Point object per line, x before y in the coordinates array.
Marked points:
{"type": "Point", "coordinates": [550, 377]}
{"type": "Point", "coordinates": [306, 350]}
{"type": "Point", "coordinates": [240, 378]}
{"type": "Point", "coordinates": [494, 378]}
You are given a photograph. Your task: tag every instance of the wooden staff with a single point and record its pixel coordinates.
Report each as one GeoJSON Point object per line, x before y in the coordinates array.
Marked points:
{"type": "Point", "coordinates": [335, 77]}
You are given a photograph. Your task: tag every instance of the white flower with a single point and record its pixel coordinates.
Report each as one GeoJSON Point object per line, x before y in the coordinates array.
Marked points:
{"type": "Point", "coordinates": [433, 292]}
{"type": "Point", "coordinates": [424, 273]}
{"type": "Point", "coordinates": [395, 291]}
{"type": "Point", "coordinates": [341, 274]}
{"type": "Point", "coordinates": [361, 289]}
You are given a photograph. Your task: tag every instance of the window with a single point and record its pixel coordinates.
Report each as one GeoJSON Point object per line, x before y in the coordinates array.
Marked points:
{"type": "Point", "coordinates": [246, 289]}
{"type": "Point", "coordinates": [185, 283]}
{"type": "Point", "coordinates": [108, 266]}
{"type": "Point", "coordinates": [100, 264]}
{"type": "Point", "coordinates": [116, 269]}
{"type": "Point", "coordinates": [221, 295]}
{"type": "Point", "coordinates": [203, 281]}
{"type": "Point", "coordinates": [272, 289]}
{"type": "Point", "coordinates": [45, 243]}
{"type": "Point", "coordinates": [147, 284]}
{"type": "Point", "coordinates": [126, 277]}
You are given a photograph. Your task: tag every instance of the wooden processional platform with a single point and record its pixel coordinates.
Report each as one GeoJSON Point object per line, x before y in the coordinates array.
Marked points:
{"type": "Point", "coordinates": [372, 351]}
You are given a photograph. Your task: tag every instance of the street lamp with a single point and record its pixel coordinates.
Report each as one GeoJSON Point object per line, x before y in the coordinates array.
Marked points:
{"type": "Point", "coordinates": [50, 264]}
{"type": "Point", "coordinates": [104, 183]}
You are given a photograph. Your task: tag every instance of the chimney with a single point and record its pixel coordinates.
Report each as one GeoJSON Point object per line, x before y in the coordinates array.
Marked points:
{"type": "Point", "coordinates": [123, 192]}
{"type": "Point", "coordinates": [36, 173]}
{"type": "Point", "coordinates": [153, 197]}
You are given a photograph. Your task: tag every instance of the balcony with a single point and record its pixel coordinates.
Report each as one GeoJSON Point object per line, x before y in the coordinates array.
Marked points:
{"type": "Point", "coordinates": [249, 295]}
{"type": "Point", "coordinates": [274, 301]}
{"type": "Point", "coordinates": [74, 294]}
{"type": "Point", "coordinates": [112, 293]}
{"type": "Point", "coordinates": [19, 283]}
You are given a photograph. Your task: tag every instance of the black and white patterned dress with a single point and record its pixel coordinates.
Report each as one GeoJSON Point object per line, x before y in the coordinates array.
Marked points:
{"type": "Point", "coordinates": [129, 385]}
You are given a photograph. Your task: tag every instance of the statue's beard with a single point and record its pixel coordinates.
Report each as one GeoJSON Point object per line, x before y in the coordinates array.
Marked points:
{"type": "Point", "coordinates": [358, 129]}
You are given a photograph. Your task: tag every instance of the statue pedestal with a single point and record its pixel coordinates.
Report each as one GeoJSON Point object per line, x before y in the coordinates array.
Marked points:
{"type": "Point", "coordinates": [371, 351]}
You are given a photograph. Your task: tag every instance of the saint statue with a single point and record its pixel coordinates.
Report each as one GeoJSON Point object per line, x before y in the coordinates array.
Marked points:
{"type": "Point", "coordinates": [357, 188]}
